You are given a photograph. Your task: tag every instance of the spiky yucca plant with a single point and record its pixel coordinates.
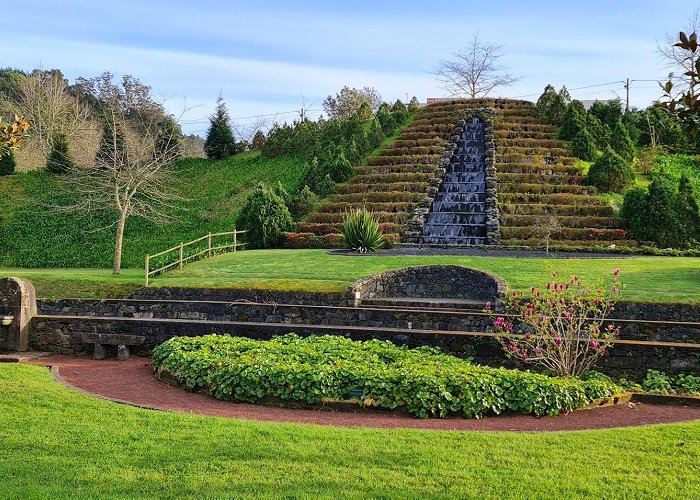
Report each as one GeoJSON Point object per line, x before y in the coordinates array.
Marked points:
{"type": "Point", "coordinates": [361, 231]}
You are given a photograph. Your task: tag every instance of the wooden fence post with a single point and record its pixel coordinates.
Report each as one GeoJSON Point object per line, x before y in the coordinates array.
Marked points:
{"type": "Point", "coordinates": [181, 255]}
{"type": "Point", "coordinates": [147, 266]}
{"type": "Point", "coordinates": [235, 242]}
{"type": "Point", "coordinates": [209, 245]}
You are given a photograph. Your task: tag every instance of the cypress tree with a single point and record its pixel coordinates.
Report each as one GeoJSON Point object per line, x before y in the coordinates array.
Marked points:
{"type": "Point", "coordinates": [59, 160]}
{"type": "Point", "coordinates": [574, 120]}
{"type": "Point", "coordinates": [660, 218]}
{"type": "Point", "coordinates": [375, 136]}
{"type": "Point", "coordinates": [621, 142]}
{"type": "Point", "coordinates": [583, 146]}
{"type": "Point", "coordinates": [7, 164]}
{"type": "Point", "coordinates": [220, 143]}
{"type": "Point", "coordinates": [611, 173]}
{"type": "Point", "coordinates": [688, 211]}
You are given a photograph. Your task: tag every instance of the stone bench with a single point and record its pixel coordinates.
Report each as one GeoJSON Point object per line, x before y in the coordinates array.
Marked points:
{"type": "Point", "coordinates": [121, 340]}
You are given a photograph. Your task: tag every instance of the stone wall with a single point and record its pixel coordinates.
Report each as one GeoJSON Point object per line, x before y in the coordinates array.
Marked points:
{"type": "Point", "coordinates": [230, 295]}
{"type": "Point", "coordinates": [441, 281]}
{"type": "Point", "coordinates": [60, 328]}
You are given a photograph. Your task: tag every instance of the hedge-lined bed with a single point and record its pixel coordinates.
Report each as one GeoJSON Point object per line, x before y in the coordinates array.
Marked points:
{"type": "Point", "coordinates": [423, 381]}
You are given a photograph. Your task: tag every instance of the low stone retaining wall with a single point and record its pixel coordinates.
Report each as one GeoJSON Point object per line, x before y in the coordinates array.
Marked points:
{"type": "Point", "coordinates": [441, 281]}
{"type": "Point", "coordinates": [230, 295]}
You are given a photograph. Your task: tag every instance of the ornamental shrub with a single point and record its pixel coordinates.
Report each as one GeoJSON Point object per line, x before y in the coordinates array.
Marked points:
{"type": "Point", "coordinates": [621, 143]}
{"type": "Point", "coordinates": [660, 220]}
{"type": "Point", "coordinates": [599, 131]}
{"type": "Point", "coordinates": [611, 173]}
{"type": "Point", "coordinates": [59, 160]}
{"type": "Point", "coordinates": [8, 164]}
{"type": "Point", "coordinates": [266, 217]}
{"type": "Point", "coordinates": [375, 373]}
{"type": "Point", "coordinates": [361, 231]}
{"type": "Point", "coordinates": [688, 211]}
{"type": "Point", "coordinates": [304, 202]}
{"type": "Point", "coordinates": [574, 120]}
{"type": "Point", "coordinates": [561, 327]}
{"type": "Point", "coordinates": [583, 146]}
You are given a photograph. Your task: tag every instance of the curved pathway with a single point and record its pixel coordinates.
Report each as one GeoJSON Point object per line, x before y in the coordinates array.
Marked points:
{"type": "Point", "coordinates": [132, 382]}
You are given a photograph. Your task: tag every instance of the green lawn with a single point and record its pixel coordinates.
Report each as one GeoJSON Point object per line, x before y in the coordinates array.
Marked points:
{"type": "Point", "coordinates": [662, 279]}
{"type": "Point", "coordinates": [59, 443]}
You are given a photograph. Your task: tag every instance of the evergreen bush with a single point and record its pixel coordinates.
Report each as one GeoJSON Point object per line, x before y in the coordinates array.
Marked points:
{"type": "Point", "coordinates": [574, 120]}
{"type": "Point", "coordinates": [59, 160]}
{"type": "Point", "coordinates": [304, 202]}
{"type": "Point", "coordinates": [220, 143]}
{"type": "Point", "coordinates": [551, 106]}
{"type": "Point", "coordinates": [8, 164]}
{"type": "Point", "coordinates": [611, 173]}
{"type": "Point", "coordinates": [583, 146]}
{"type": "Point", "coordinates": [258, 140]}
{"type": "Point", "coordinates": [266, 217]}
{"type": "Point", "coordinates": [621, 142]}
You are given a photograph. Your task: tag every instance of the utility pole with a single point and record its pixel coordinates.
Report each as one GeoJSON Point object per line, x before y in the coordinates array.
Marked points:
{"type": "Point", "coordinates": [627, 100]}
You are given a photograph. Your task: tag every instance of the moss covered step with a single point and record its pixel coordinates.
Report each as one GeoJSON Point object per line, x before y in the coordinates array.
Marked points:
{"type": "Point", "coordinates": [413, 188]}
{"type": "Point", "coordinates": [556, 210]}
{"type": "Point", "coordinates": [376, 196]}
{"type": "Point", "coordinates": [573, 221]}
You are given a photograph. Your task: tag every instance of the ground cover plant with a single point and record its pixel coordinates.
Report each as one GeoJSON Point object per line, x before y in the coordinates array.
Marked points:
{"type": "Point", "coordinates": [423, 381]}
{"type": "Point", "coordinates": [49, 434]}
{"type": "Point", "coordinates": [649, 279]}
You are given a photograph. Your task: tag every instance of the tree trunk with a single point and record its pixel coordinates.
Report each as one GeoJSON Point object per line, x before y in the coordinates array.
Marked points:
{"type": "Point", "coordinates": [117, 266]}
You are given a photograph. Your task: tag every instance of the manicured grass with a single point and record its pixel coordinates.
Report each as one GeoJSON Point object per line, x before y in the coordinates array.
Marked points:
{"type": "Point", "coordinates": [57, 443]}
{"type": "Point", "coordinates": [211, 194]}
{"type": "Point", "coordinates": [660, 279]}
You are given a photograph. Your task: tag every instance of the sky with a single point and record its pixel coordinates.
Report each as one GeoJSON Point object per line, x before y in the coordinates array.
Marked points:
{"type": "Point", "coordinates": [275, 57]}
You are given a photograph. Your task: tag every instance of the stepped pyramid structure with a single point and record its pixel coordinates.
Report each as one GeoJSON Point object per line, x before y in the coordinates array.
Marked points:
{"type": "Point", "coordinates": [470, 172]}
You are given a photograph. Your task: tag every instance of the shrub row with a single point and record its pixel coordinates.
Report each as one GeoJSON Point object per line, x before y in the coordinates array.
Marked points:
{"type": "Point", "coordinates": [519, 168]}
{"type": "Point", "coordinates": [395, 150]}
{"type": "Point", "coordinates": [532, 159]}
{"type": "Point", "coordinates": [421, 168]}
{"type": "Point", "coordinates": [310, 240]}
{"type": "Point", "coordinates": [507, 151]}
{"type": "Point", "coordinates": [423, 381]}
{"type": "Point", "coordinates": [393, 177]}
{"type": "Point", "coordinates": [563, 220]}
{"type": "Point", "coordinates": [534, 188]}
{"type": "Point", "coordinates": [342, 206]}
{"type": "Point", "coordinates": [402, 159]}
{"type": "Point", "coordinates": [563, 233]}
{"type": "Point", "coordinates": [549, 209]}
{"type": "Point", "coordinates": [406, 187]}
{"type": "Point", "coordinates": [621, 246]}
{"type": "Point", "coordinates": [518, 133]}
{"type": "Point", "coordinates": [553, 198]}
{"type": "Point", "coordinates": [337, 217]}
{"type": "Point", "coordinates": [432, 142]}
{"type": "Point", "coordinates": [320, 229]}
{"type": "Point", "coordinates": [378, 196]}
{"type": "Point", "coordinates": [558, 178]}
{"type": "Point", "coordinates": [519, 141]}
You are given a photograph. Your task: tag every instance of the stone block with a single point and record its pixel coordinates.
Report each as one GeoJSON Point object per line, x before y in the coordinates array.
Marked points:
{"type": "Point", "coordinates": [100, 352]}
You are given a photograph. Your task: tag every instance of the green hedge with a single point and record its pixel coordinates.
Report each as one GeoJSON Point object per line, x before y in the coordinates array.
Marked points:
{"type": "Point", "coordinates": [424, 381]}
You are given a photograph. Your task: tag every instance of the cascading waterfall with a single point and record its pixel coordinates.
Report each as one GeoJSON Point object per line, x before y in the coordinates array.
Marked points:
{"type": "Point", "coordinates": [458, 214]}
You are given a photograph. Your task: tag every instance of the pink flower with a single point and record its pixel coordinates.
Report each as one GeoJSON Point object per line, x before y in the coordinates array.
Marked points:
{"type": "Point", "coordinates": [554, 274]}
{"type": "Point", "coordinates": [594, 345]}
{"type": "Point", "coordinates": [538, 350]}
{"type": "Point", "coordinates": [567, 315]}
{"type": "Point", "coordinates": [616, 272]}
{"type": "Point", "coordinates": [557, 341]}
{"type": "Point", "coordinates": [524, 356]}
{"type": "Point", "coordinates": [488, 305]}
{"type": "Point", "coordinates": [528, 336]}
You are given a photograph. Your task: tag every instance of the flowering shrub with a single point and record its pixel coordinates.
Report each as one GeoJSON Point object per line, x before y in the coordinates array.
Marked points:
{"type": "Point", "coordinates": [561, 327]}
{"type": "Point", "coordinates": [424, 381]}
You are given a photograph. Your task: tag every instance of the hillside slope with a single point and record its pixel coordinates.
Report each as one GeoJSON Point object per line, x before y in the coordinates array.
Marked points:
{"type": "Point", "coordinates": [212, 192]}
{"type": "Point", "coordinates": [537, 179]}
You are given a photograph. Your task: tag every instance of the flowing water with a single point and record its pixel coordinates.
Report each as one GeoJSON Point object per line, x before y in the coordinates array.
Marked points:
{"type": "Point", "coordinates": [458, 214]}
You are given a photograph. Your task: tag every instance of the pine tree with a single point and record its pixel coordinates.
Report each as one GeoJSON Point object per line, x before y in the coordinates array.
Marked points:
{"type": "Point", "coordinates": [375, 136]}
{"type": "Point", "coordinates": [621, 143]}
{"type": "Point", "coordinates": [583, 146]}
{"type": "Point", "coordinates": [258, 140]}
{"type": "Point", "coordinates": [220, 143]}
{"type": "Point", "coordinates": [574, 120]}
{"type": "Point", "coordinates": [59, 160]}
{"type": "Point", "coordinates": [551, 106]}
{"type": "Point", "coordinates": [7, 163]}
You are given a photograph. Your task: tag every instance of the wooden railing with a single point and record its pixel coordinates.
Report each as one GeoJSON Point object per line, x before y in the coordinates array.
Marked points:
{"type": "Point", "coordinates": [193, 250]}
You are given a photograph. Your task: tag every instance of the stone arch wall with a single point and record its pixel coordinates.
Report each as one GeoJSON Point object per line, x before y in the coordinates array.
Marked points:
{"type": "Point", "coordinates": [438, 281]}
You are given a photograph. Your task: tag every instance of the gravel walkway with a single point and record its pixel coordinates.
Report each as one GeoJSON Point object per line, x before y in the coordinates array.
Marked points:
{"type": "Point", "coordinates": [132, 382]}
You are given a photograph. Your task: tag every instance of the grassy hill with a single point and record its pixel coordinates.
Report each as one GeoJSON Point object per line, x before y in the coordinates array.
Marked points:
{"type": "Point", "coordinates": [33, 234]}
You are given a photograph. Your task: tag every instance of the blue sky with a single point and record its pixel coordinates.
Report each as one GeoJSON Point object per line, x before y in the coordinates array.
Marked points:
{"type": "Point", "coordinates": [266, 56]}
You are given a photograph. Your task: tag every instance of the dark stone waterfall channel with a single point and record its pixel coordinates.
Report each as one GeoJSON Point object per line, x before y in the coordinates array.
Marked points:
{"type": "Point", "coordinates": [458, 214]}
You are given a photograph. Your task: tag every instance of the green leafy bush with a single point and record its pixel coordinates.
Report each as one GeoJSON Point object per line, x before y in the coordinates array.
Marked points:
{"type": "Point", "coordinates": [621, 142]}
{"type": "Point", "coordinates": [583, 146]}
{"type": "Point", "coordinates": [7, 163]}
{"type": "Point", "coordinates": [266, 217]}
{"type": "Point", "coordinates": [611, 173]}
{"type": "Point", "coordinates": [687, 384]}
{"type": "Point", "coordinates": [424, 381]}
{"type": "Point", "coordinates": [657, 383]}
{"type": "Point", "coordinates": [361, 231]}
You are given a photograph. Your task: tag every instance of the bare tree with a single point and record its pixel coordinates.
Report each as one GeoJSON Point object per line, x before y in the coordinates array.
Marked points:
{"type": "Point", "coordinates": [349, 100]}
{"type": "Point", "coordinates": [675, 58]}
{"type": "Point", "coordinates": [545, 228]}
{"type": "Point", "coordinates": [131, 175]}
{"type": "Point", "coordinates": [45, 100]}
{"type": "Point", "coordinates": [475, 71]}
